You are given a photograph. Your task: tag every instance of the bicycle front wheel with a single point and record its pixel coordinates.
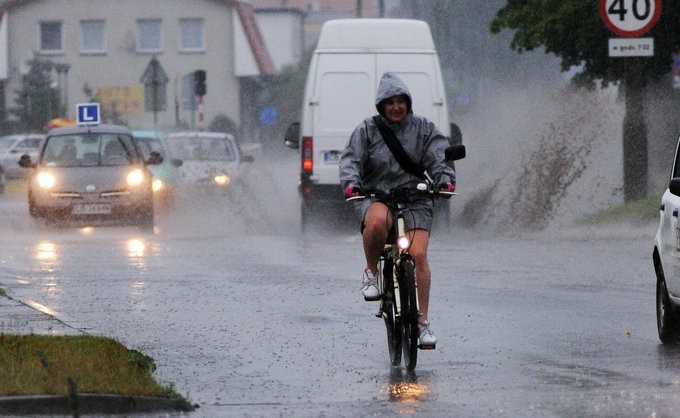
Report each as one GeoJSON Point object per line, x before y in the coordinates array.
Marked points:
{"type": "Point", "coordinates": [389, 310]}
{"type": "Point", "coordinates": [409, 313]}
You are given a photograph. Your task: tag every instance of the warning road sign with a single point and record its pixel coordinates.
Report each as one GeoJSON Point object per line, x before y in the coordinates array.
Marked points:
{"type": "Point", "coordinates": [630, 18]}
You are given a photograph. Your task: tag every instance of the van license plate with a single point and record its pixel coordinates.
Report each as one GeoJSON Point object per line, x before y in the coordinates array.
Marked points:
{"type": "Point", "coordinates": [332, 157]}
{"type": "Point", "coordinates": [91, 209]}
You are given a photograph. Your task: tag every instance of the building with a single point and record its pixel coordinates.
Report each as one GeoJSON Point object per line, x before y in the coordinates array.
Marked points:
{"type": "Point", "coordinates": [317, 12]}
{"type": "Point", "coordinates": [108, 46]}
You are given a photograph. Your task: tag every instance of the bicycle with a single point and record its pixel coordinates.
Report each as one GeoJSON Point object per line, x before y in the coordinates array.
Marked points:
{"type": "Point", "coordinates": [397, 273]}
{"type": "Point", "coordinates": [397, 280]}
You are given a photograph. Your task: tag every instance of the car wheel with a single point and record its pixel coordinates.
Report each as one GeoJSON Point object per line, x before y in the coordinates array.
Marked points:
{"type": "Point", "coordinates": [666, 312]}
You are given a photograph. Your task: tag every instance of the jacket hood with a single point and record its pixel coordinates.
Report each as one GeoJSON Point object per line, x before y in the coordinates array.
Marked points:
{"type": "Point", "coordinates": [391, 85]}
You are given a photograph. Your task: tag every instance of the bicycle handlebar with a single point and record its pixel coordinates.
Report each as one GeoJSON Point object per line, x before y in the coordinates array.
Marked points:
{"type": "Point", "coordinates": [391, 196]}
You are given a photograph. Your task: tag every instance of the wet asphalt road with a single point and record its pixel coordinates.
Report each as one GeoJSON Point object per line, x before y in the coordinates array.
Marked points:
{"type": "Point", "coordinates": [247, 318]}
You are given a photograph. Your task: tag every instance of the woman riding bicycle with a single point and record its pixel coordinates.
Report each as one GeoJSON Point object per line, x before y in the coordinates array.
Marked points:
{"type": "Point", "coordinates": [368, 164]}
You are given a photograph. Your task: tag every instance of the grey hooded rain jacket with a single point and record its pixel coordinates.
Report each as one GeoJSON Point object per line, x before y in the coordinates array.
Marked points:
{"type": "Point", "coordinates": [368, 163]}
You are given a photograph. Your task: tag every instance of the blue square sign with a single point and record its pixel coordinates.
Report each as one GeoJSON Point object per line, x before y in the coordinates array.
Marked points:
{"type": "Point", "coordinates": [88, 113]}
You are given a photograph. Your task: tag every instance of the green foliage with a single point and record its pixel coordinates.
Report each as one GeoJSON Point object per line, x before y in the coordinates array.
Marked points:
{"type": "Point", "coordinates": [574, 31]}
{"type": "Point", "coordinates": [37, 101]}
{"type": "Point", "coordinates": [286, 93]}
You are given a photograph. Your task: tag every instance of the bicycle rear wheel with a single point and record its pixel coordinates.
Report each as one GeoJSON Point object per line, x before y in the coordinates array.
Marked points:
{"type": "Point", "coordinates": [389, 310]}
{"type": "Point", "coordinates": [409, 313]}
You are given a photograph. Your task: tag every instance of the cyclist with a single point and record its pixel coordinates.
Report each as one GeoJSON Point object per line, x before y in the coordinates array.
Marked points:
{"type": "Point", "coordinates": [367, 164]}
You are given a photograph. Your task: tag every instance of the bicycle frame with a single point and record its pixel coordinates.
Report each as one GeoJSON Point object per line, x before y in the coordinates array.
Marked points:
{"type": "Point", "coordinates": [399, 303]}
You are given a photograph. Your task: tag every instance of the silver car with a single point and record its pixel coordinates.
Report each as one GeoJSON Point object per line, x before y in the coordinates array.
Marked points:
{"type": "Point", "coordinates": [211, 161]}
{"type": "Point", "coordinates": [12, 147]}
{"type": "Point", "coordinates": [91, 174]}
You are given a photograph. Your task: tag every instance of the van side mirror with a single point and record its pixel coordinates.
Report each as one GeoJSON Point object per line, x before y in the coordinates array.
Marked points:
{"type": "Point", "coordinates": [455, 152]}
{"type": "Point", "coordinates": [456, 135]}
{"type": "Point", "coordinates": [25, 161]}
{"type": "Point", "coordinates": [291, 138]}
{"type": "Point", "coordinates": [674, 186]}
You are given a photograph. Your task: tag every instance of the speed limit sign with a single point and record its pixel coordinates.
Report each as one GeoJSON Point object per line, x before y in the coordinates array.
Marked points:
{"type": "Point", "coordinates": [630, 18]}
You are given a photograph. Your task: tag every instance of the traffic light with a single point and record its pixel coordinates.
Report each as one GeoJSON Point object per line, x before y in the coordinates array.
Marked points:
{"type": "Point", "coordinates": [199, 83]}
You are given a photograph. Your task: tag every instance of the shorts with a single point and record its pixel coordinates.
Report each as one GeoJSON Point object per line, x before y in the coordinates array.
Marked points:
{"type": "Point", "coordinates": [418, 214]}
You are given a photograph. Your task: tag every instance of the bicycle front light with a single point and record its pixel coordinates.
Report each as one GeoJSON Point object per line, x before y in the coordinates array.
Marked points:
{"type": "Point", "coordinates": [403, 242]}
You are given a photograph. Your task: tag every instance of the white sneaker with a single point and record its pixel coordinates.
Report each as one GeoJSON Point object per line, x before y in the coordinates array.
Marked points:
{"type": "Point", "coordinates": [370, 286]}
{"type": "Point", "coordinates": [427, 338]}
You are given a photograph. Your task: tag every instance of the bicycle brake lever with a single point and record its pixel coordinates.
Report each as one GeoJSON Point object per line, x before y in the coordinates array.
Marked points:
{"type": "Point", "coordinates": [442, 193]}
{"type": "Point", "coordinates": [353, 198]}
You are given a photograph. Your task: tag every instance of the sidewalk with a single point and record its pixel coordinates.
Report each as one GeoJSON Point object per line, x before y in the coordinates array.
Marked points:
{"type": "Point", "coordinates": [20, 318]}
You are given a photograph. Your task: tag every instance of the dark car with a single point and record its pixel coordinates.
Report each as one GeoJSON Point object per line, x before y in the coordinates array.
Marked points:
{"type": "Point", "coordinates": [91, 174]}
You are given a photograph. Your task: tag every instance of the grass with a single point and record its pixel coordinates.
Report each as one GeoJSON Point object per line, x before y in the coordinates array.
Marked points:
{"type": "Point", "coordinates": [641, 211]}
{"type": "Point", "coordinates": [59, 365]}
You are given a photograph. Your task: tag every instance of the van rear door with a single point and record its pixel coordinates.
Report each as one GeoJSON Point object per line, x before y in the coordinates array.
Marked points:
{"type": "Point", "coordinates": [343, 96]}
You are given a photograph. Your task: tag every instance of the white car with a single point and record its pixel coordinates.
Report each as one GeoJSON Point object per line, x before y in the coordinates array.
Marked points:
{"type": "Point", "coordinates": [666, 257]}
{"type": "Point", "coordinates": [211, 161]}
{"type": "Point", "coordinates": [12, 147]}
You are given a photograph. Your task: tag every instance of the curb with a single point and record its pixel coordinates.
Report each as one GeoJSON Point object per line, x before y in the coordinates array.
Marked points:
{"type": "Point", "coordinates": [88, 404]}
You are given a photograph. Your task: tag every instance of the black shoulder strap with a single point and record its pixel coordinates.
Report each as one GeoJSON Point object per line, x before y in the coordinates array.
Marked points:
{"type": "Point", "coordinates": [398, 150]}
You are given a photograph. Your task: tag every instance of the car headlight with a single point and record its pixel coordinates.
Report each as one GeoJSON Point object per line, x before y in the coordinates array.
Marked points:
{"type": "Point", "coordinates": [46, 180]}
{"type": "Point", "coordinates": [135, 177]}
{"type": "Point", "coordinates": [222, 180]}
{"type": "Point", "coordinates": [157, 185]}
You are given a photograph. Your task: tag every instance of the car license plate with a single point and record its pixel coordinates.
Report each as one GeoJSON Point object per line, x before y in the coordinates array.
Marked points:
{"type": "Point", "coordinates": [91, 209]}
{"type": "Point", "coordinates": [332, 157]}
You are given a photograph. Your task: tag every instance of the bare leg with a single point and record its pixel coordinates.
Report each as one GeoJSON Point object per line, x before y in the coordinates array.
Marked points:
{"type": "Point", "coordinates": [419, 244]}
{"type": "Point", "coordinates": [377, 224]}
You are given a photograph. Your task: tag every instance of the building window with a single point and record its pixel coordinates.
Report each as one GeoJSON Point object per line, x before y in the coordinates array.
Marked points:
{"type": "Point", "coordinates": [149, 35]}
{"type": "Point", "coordinates": [50, 37]}
{"type": "Point", "coordinates": [192, 35]}
{"type": "Point", "coordinates": [92, 37]}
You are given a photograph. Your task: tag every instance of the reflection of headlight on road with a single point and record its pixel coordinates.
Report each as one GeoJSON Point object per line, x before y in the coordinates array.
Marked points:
{"type": "Point", "coordinates": [46, 180]}
{"type": "Point", "coordinates": [157, 185]}
{"type": "Point", "coordinates": [135, 177]}
{"type": "Point", "coordinates": [222, 180]}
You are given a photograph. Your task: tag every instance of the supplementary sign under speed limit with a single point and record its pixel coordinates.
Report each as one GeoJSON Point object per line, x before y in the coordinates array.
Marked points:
{"type": "Point", "coordinates": [630, 18]}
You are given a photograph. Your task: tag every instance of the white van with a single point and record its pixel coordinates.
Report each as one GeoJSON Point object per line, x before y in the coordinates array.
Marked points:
{"type": "Point", "coordinates": [344, 72]}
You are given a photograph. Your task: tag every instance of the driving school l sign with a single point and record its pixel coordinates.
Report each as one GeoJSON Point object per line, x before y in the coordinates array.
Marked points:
{"type": "Point", "coordinates": [630, 19]}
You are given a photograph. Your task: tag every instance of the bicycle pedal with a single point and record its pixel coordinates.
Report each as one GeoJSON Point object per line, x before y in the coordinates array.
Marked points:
{"type": "Point", "coordinates": [427, 346]}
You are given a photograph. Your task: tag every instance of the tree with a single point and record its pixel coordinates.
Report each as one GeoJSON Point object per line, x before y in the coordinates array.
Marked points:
{"type": "Point", "coordinates": [574, 31]}
{"type": "Point", "coordinates": [37, 101]}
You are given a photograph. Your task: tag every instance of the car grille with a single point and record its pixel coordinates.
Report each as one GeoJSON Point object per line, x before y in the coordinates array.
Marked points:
{"type": "Point", "coordinates": [87, 196]}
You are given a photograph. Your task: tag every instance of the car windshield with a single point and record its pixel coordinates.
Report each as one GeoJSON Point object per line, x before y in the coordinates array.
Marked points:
{"type": "Point", "coordinates": [202, 149]}
{"type": "Point", "coordinates": [6, 142]}
{"type": "Point", "coordinates": [87, 150]}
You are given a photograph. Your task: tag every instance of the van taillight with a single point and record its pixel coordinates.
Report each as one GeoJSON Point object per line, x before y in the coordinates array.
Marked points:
{"type": "Point", "coordinates": [307, 155]}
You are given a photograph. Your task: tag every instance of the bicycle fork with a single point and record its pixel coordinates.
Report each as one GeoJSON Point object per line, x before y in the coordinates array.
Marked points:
{"type": "Point", "coordinates": [403, 244]}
